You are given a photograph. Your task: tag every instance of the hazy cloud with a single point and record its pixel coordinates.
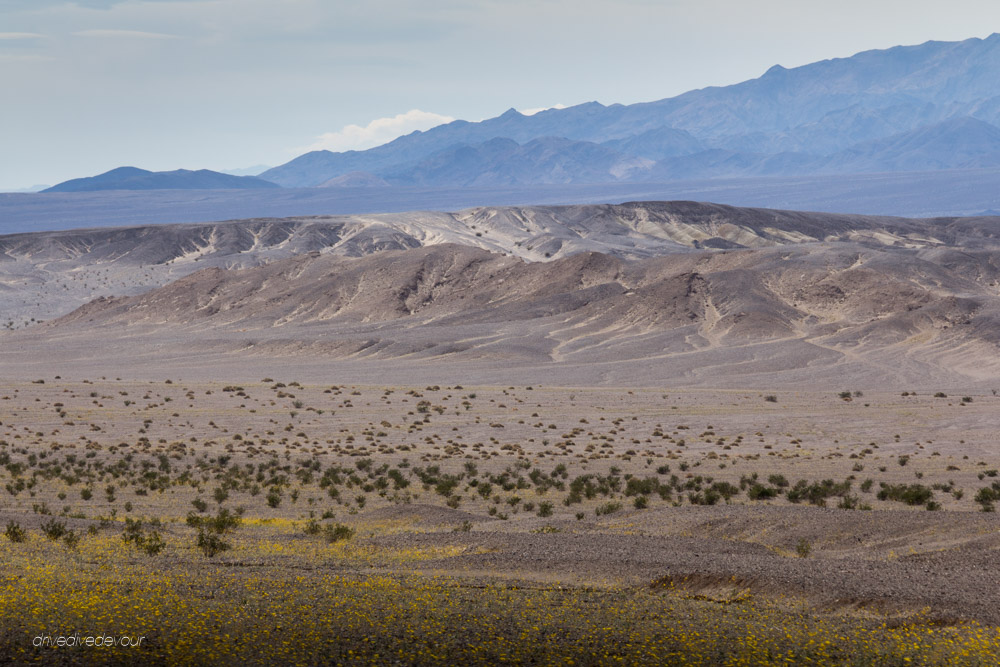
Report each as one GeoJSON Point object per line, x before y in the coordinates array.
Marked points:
{"type": "Point", "coordinates": [532, 112]}
{"type": "Point", "coordinates": [19, 35]}
{"type": "Point", "coordinates": [377, 132]}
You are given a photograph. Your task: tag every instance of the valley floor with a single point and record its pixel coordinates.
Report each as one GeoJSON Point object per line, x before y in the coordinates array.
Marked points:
{"type": "Point", "coordinates": [283, 522]}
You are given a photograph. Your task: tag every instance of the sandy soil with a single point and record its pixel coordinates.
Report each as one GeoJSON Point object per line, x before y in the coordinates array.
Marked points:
{"type": "Point", "coordinates": [893, 557]}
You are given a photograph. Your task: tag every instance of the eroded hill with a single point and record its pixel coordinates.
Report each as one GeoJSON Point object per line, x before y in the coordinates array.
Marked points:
{"type": "Point", "coordinates": [676, 291]}
{"type": "Point", "coordinates": [786, 311]}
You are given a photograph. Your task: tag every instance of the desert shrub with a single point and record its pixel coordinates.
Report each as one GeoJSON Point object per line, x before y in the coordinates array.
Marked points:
{"type": "Point", "coordinates": [760, 492]}
{"type": "Point", "coordinates": [712, 494]}
{"type": "Point", "coordinates": [133, 531]}
{"type": "Point", "coordinates": [54, 529]}
{"type": "Point", "coordinates": [707, 497]}
{"type": "Point", "coordinates": [544, 509]}
{"type": "Point", "coordinates": [148, 541]}
{"type": "Point", "coordinates": [153, 544]}
{"type": "Point", "coordinates": [71, 539]}
{"type": "Point", "coordinates": [848, 502]}
{"type": "Point", "coordinates": [816, 493]}
{"type": "Point", "coordinates": [398, 481]}
{"type": "Point", "coordinates": [211, 544]}
{"type": "Point", "coordinates": [777, 480]}
{"type": "Point", "coordinates": [725, 489]}
{"type": "Point", "coordinates": [222, 523]}
{"type": "Point", "coordinates": [15, 533]}
{"type": "Point", "coordinates": [446, 486]}
{"type": "Point", "coordinates": [803, 548]}
{"type": "Point", "coordinates": [641, 487]}
{"type": "Point", "coordinates": [911, 494]}
{"type": "Point", "coordinates": [338, 532]}
{"type": "Point", "coordinates": [988, 495]}
{"type": "Point", "coordinates": [607, 508]}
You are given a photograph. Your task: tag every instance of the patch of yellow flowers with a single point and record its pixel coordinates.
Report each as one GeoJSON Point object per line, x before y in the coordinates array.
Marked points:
{"type": "Point", "coordinates": [280, 601]}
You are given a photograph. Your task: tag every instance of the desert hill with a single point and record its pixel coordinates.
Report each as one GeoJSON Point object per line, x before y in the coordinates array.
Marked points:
{"type": "Point", "coordinates": [47, 274]}
{"type": "Point", "coordinates": [808, 306]}
{"type": "Point", "coordinates": [679, 290]}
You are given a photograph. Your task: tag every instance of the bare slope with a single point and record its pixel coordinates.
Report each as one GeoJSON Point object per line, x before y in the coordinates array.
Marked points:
{"type": "Point", "coordinates": [43, 275]}
{"type": "Point", "coordinates": [788, 313]}
{"type": "Point", "coordinates": [641, 292]}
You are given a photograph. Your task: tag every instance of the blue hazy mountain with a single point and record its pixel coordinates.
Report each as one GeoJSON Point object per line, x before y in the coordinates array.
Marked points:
{"type": "Point", "coordinates": [132, 178]}
{"type": "Point", "coordinates": [908, 108]}
{"type": "Point", "coordinates": [956, 143]}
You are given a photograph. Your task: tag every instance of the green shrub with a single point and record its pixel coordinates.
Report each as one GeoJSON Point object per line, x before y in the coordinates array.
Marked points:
{"type": "Point", "coordinates": [760, 492]}
{"type": "Point", "coordinates": [803, 548]}
{"type": "Point", "coordinates": [911, 494]}
{"type": "Point", "coordinates": [211, 544]}
{"type": "Point", "coordinates": [71, 539]}
{"type": "Point", "coordinates": [53, 529]}
{"type": "Point", "coordinates": [778, 480]}
{"type": "Point", "coordinates": [15, 533]}
{"type": "Point", "coordinates": [607, 508]}
{"type": "Point", "coordinates": [338, 532]}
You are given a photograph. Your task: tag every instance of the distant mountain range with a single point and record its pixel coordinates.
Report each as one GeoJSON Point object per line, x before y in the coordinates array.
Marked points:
{"type": "Point", "coordinates": [913, 108]}
{"type": "Point", "coordinates": [131, 178]}
{"type": "Point", "coordinates": [930, 107]}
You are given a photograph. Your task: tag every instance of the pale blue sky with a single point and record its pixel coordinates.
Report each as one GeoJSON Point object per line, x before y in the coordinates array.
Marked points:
{"type": "Point", "coordinates": [90, 85]}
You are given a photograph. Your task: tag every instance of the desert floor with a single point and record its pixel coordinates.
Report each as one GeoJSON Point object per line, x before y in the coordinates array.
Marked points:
{"type": "Point", "coordinates": [284, 522]}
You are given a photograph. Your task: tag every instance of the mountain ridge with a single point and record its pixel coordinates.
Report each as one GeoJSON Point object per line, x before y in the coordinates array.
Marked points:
{"type": "Point", "coordinates": [818, 110]}
{"type": "Point", "coordinates": [133, 178]}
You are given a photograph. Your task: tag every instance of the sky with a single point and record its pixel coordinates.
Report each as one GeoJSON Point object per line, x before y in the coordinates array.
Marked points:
{"type": "Point", "coordinates": [90, 85]}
